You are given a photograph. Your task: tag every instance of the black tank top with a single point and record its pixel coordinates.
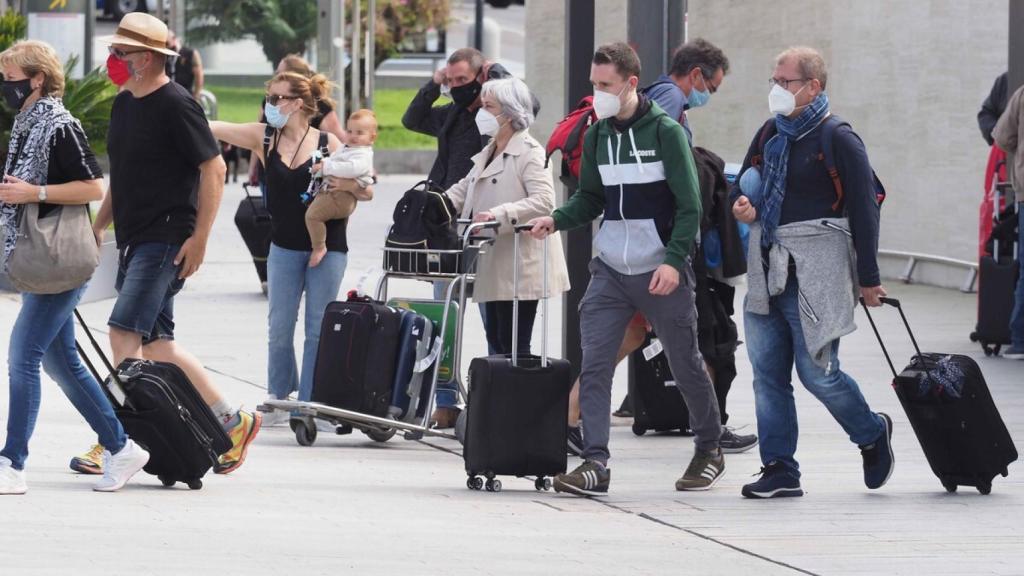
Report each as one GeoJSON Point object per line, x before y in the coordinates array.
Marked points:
{"type": "Point", "coordinates": [287, 211]}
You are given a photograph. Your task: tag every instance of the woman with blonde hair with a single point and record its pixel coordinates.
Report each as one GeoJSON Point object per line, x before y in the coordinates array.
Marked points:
{"type": "Point", "coordinates": [288, 154]}
{"type": "Point", "coordinates": [49, 162]}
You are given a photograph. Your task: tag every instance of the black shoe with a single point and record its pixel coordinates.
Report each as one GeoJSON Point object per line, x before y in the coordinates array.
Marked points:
{"type": "Point", "coordinates": [733, 443]}
{"type": "Point", "coordinates": [878, 457]}
{"type": "Point", "coordinates": [776, 481]}
{"type": "Point", "coordinates": [574, 440]}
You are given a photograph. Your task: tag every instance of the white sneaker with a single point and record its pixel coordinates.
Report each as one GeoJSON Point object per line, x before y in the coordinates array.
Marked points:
{"type": "Point", "coordinates": [11, 481]}
{"type": "Point", "coordinates": [119, 468]}
{"type": "Point", "coordinates": [275, 418]}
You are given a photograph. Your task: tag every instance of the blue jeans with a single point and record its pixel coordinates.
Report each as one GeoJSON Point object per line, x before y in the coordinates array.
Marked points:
{"type": "Point", "coordinates": [288, 276]}
{"type": "Point", "coordinates": [775, 342]}
{"type": "Point", "coordinates": [44, 333]}
{"type": "Point", "coordinates": [1017, 318]}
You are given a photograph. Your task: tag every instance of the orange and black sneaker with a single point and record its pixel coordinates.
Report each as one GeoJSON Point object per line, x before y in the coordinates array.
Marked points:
{"type": "Point", "coordinates": [89, 463]}
{"type": "Point", "coordinates": [241, 436]}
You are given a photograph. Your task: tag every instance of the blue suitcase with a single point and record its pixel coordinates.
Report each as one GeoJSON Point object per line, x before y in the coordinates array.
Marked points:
{"type": "Point", "coordinates": [418, 349]}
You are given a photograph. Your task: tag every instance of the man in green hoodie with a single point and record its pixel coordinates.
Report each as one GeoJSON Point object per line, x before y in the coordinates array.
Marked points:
{"type": "Point", "coordinates": [639, 172]}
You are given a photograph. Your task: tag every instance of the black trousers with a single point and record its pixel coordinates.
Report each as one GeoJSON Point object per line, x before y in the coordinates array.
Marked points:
{"type": "Point", "coordinates": [498, 325]}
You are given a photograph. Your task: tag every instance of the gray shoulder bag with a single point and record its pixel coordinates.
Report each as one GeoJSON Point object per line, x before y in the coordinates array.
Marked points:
{"type": "Point", "coordinates": [55, 253]}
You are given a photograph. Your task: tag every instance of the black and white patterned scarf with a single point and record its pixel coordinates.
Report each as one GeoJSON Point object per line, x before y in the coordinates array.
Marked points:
{"type": "Point", "coordinates": [28, 155]}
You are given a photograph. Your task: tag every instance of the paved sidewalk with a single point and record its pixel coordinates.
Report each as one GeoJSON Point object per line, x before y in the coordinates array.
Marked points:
{"type": "Point", "coordinates": [350, 505]}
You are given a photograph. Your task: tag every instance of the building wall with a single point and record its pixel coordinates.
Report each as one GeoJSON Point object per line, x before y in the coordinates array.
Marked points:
{"type": "Point", "coordinates": [909, 76]}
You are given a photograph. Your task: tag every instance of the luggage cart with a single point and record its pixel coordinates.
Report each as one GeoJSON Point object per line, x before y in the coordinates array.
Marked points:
{"type": "Point", "coordinates": [456, 266]}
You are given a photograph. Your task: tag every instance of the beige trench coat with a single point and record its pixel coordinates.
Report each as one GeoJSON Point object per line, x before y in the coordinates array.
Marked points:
{"type": "Point", "coordinates": [514, 187]}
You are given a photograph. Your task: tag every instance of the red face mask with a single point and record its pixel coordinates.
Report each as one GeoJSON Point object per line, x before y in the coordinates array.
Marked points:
{"type": "Point", "coordinates": [117, 70]}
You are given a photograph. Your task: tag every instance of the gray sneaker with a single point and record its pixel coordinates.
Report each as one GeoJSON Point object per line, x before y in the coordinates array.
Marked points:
{"type": "Point", "coordinates": [703, 472]}
{"type": "Point", "coordinates": [1014, 353]}
{"type": "Point", "coordinates": [733, 443]}
{"type": "Point", "coordinates": [588, 479]}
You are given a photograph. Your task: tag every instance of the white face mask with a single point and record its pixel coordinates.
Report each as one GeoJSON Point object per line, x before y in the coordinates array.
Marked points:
{"type": "Point", "coordinates": [607, 104]}
{"type": "Point", "coordinates": [487, 123]}
{"type": "Point", "coordinates": [782, 101]}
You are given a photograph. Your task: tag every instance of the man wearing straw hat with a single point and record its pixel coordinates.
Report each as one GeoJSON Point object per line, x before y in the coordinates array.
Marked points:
{"type": "Point", "coordinates": [166, 181]}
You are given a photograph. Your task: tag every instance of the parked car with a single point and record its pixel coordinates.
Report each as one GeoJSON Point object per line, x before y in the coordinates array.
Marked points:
{"type": "Point", "coordinates": [118, 8]}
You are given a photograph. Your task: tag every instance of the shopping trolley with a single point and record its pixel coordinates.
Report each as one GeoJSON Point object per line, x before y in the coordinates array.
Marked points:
{"type": "Point", "coordinates": [456, 266]}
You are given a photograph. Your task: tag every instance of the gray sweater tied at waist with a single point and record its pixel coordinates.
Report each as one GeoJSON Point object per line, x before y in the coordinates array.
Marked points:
{"type": "Point", "coordinates": [822, 250]}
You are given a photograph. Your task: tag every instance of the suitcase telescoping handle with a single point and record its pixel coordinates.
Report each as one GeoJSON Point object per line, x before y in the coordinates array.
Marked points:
{"type": "Point", "coordinates": [96, 346]}
{"type": "Point", "coordinates": [996, 213]}
{"type": "Point", "coordinates": [518, 229]}
{"type": "Point", "coordinates": [895, 304]}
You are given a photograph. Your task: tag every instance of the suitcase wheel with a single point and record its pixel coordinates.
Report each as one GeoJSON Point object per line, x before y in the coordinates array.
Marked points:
{"type": "Point", "coordinates": [974, 336]}
{"type": "Point", "coordinates": [639, 430]}
{"type": "Point", "coordinates": [380, 434]}
{"type": "Point", "coordinates": [196, 484]}
{"type": "Point", "coordinates": [305, 432]}
{"type": "Point", "coordinates": [985, 488]}
{"type": "Point", "coordinates": [542, 483]}
{"type": "Point", "coordinates": [950, 486]}
{"type": "Point", "coordinates": [493, 485]}
{"type": "Point", "coordinates": [167, 481]}
{"type": "Point", "coordinates": [474, 482]}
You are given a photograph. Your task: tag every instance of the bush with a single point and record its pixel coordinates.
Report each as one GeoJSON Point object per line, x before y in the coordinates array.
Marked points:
{"type": "Point", "coordinates": [90, 99]}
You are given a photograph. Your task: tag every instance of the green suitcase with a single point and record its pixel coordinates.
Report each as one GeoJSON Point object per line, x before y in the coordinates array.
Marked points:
{"type": "Point", "coordinates": [433, 310]}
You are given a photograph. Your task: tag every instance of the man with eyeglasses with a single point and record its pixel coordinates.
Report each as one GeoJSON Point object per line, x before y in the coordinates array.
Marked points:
{"type": "Point", "coordinates": [803, 278]}
{"type": "Point", "coordinates": [166, 182]}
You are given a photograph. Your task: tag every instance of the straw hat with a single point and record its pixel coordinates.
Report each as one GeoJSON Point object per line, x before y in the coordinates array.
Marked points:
{"type": "Point", "coordinates": [142, 30]}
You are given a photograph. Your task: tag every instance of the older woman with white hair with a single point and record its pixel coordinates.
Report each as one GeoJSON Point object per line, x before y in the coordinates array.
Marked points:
{"type": "Point", "coordinates": [510, 185]}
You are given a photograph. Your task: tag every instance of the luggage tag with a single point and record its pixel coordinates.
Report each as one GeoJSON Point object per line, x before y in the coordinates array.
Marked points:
{"type": "Point", "coordinates": [653, 349]}
{"type": "Point", "coordinates": [117, 393]}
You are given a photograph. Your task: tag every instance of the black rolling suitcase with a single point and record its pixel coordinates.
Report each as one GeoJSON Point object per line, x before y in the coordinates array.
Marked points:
{"type": "Point", "coordinates": [997, 279]}
{"type": "Point", "coordinates": [253, 222]}
{"type": "Point", "coordinates": [162, 411]}
{"type": "Point", "coordinates": [517, 411]}
{"type": "Point", "coordinates": [657, 403]}
{"type": "Point", "coordinates": [356, 359]}
{"type": "Point", "coordinates": [953, 415]}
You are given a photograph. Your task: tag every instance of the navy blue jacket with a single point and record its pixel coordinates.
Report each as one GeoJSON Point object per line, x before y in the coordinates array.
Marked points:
{"type": "Point", "coordinates": [810, 193]}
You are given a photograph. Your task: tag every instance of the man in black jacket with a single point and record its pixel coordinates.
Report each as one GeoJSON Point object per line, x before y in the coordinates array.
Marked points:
{"type": "Point", "coordinates": [993, 108]}
{"type": "Point", "coordinates": [454, 124]}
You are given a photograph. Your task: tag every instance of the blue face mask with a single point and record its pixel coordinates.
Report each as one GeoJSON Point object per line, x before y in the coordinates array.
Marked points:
{"type": "Point", "coordinates": [274, 116]}
{"type": "Point", "coordinates": [697, 97]}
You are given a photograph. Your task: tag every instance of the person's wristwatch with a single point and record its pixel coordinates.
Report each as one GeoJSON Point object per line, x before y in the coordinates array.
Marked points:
{"type": "Point", "coordinates": [42, 193]}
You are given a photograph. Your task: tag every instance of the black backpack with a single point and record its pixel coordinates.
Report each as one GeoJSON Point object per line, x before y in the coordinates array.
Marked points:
{"type": "Point", "coordinates": [424, 219]}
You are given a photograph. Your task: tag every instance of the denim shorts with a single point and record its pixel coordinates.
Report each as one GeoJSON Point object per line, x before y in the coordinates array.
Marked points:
{"type": "Point", "coordinates": [147, 280]}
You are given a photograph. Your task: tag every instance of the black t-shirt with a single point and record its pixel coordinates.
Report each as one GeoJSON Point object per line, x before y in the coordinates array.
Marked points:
{"type": "Point", "coordinates": [71, 160]}
{"type": "Point", "coordinates": [156, 144]}
{"type": "Point", "coordinates": [182, 71]}
{"type": "Point", "coordinates": [287, 211]}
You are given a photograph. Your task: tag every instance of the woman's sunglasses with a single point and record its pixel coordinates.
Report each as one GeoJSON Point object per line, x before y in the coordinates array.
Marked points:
{"type": "Point", "coordinates": [273, 99]}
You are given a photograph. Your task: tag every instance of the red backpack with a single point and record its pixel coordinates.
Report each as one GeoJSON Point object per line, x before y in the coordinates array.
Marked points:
{"type": "Point", "coordinates": [567, 138]}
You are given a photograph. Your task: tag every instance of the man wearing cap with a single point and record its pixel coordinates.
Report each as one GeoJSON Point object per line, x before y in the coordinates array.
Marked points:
{"type": "Point", "coordinates": [166, 181]}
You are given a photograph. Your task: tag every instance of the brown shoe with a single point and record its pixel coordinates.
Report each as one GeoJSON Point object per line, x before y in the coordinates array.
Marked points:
{"type": "Point", "coordinates": [444, 417]}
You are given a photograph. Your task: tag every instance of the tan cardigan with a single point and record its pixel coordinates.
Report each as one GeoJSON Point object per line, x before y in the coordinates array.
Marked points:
{"type": "Point", "coordinates": [1009, 135]}
{"type": "Point", "coordinates": [514, 187]}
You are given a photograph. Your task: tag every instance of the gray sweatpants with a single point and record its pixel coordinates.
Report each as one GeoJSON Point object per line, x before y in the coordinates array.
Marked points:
{"type": "Point", "coordinates": [610, 302]}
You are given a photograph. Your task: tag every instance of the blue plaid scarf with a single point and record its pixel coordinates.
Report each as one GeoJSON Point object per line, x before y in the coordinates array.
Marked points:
{"type": "Point", "coordinates": [776, 160]}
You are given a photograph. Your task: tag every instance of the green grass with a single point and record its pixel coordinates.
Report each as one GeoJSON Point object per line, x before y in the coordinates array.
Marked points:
{"type": "Point", "coordinates": [242, 105]}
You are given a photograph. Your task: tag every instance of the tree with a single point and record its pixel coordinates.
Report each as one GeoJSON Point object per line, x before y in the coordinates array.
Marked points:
{"type": "Point", "coordinates": [287, 26]}
{"type": "Point", "coordinates": [282, 27]}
